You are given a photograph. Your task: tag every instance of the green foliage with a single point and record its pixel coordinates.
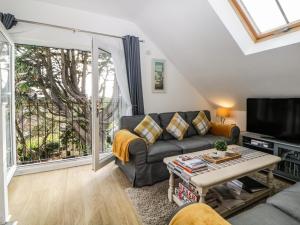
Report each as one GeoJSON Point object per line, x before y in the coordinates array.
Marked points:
{"type": "Point", "coordinates": [51, 147]}
{"type": "Point", "coordinates": [38, 149]}
{"type": "Point", "coordinates": [221, 145]}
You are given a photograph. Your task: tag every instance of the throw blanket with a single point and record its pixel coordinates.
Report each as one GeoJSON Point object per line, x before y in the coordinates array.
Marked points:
{"type": "Point", "coordinates": [198, 214]}
{"type": "Point", "coordinates": [121, 143]}
{"type": "Point", "coordinates": [221, 129]}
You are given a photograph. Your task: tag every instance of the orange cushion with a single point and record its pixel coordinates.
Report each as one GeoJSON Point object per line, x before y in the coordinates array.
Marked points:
{"type": "Point", "coordinates": [221, 129]}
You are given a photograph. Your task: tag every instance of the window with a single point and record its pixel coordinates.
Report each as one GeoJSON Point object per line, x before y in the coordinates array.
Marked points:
{"type": "Point", "coordinates": [268, 18]}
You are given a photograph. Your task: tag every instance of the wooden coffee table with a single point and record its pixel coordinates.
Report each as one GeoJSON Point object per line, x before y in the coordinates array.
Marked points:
{"type": "Point", "coordinates": [204, 181]}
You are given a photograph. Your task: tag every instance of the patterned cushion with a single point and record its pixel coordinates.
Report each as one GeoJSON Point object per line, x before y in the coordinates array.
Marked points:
{"type": "Point", "coordinates": [177, 127]}
{"type": "Point", "coordinates": [201, 123]}
{"type": "Point", "coordinates": [148, 129]}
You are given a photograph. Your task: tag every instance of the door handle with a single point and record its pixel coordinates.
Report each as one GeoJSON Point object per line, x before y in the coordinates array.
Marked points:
{"type": "Point", "coordinates": [98, 108]}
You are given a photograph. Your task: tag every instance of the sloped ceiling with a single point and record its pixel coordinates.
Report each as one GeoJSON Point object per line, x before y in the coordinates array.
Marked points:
{"type": "Point", "coordinates": [196, 41]}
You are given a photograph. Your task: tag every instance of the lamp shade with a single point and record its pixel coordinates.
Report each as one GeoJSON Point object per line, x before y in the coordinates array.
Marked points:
{"type": "Point", "coordinates": [223, 112]}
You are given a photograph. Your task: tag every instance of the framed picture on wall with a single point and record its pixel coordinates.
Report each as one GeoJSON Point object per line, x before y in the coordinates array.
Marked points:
{"type": "Point", "coordinates": [158, 75]}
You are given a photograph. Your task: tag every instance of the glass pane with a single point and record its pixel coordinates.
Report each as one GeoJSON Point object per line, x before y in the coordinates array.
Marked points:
{"type": "Point", "coordinates": [109, 100]}
{"type": "Point", "coordinates": [6, 101]}
{"type": "Point", "coordinates": [291, 9]}
{"type": "Point", "coordinates": [52, 105]}
{"type": "Point", "coordinates": [265, 14]}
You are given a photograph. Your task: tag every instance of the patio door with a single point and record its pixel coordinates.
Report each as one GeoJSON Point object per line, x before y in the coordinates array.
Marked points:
{"type": "Point", "coordinates": [106, 102]}
{"type": "Point", "coordinates": [7, 131]}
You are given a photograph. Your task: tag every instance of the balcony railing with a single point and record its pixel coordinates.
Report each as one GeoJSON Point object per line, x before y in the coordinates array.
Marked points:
{"type": "Point", "coordinates": [47, 131]}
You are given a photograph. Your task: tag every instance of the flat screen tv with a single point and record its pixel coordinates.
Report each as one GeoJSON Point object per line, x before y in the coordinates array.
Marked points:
{"type": "Point", "coordinates": [275, 117]}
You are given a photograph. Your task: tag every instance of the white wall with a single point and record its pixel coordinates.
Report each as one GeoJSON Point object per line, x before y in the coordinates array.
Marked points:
{"type": "Point", "coordinates": [180, 95]}
{"type": "Point", "coordinates": [236, 117]}
{"type": "Point", "coordinates": [239, 118]}
{"type": "Point", "coordinates": [197, 42]}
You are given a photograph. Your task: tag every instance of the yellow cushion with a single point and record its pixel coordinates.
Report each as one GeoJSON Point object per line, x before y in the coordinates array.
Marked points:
{"type": "Point", "coordinates": [201, 123]}
{"type": "Point", "coordinates": [148, 129]}
{"type": "Point", "coordinates": [177, 127]}
{"type": "Point", "coordinates": [198, 214]}
{"type": "Point", "coordinates": [221, 129]}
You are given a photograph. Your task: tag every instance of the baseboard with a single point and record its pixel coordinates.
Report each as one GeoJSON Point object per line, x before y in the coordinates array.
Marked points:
{"type": "Point", "coordinates": [10, 223]}
{"type": "Point", "coordinates": [53, 165]}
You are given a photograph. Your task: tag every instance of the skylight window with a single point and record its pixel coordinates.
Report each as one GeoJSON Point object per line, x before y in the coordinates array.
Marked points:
{"type": "Point", "coordinates": [267, 18]}
{"type": "Point", "coordinates": [291, 9]}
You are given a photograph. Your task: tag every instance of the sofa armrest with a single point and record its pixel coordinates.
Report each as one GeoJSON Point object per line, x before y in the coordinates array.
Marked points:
{"type": "Point", "coordinates": [230, 131]}
{"type": "Point", "coordinates": [138, 151]}
{"type": "Point", "coordinates": [235, 134]}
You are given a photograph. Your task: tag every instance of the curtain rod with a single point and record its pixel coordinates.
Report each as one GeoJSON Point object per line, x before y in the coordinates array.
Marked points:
{"type": "Point", "coordinates": [69, 28]}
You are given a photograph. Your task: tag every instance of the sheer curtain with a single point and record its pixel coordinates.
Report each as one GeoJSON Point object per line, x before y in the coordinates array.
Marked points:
{"type": "Point", "coordinates": [115, 47]}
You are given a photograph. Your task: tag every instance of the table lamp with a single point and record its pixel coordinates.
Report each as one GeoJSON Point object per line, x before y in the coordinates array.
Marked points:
{"type": "Point", "coordinates": [223, 113]}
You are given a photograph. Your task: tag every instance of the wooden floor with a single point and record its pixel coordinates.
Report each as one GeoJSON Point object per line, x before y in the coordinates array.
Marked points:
{"type": "Point", "coordinates": [75, 196]}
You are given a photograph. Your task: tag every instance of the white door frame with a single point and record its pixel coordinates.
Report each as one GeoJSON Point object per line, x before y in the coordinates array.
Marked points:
{"type": "Point", "coordinates": [6, 176]}
{"type": "Point", "coordinates": [3, 176]}
{"type": "Point", "coordinates": [95, 109]}
{"type": "Point", "coordinates": [98, 45]}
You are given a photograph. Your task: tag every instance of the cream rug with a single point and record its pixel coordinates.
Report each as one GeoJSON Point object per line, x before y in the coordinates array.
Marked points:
{"type": "Point", "coordinates": [153, 207]}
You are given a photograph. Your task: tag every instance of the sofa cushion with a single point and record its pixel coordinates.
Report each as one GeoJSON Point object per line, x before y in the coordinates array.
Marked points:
{"type": "Point", "coordinates": [201, 123]}
{"type": "Point", "coordinates": [165, 119]}
{"type": "Point", "coordinates": [189, 117]}
{"type": "Point", "coordinates": [288, 201]}
{"type": "Point", "coordinates": [211, 139]}
{"type": "Point", "coordinates": [130, 122]}
{"type": "Point", "coordinates": [148, 129]}
{"type": "Point", "coordinates": [219, 129]}
{"type": "Point", "coordinates": [192, 144]}
{"type": "Point", "coordinates": [161, 149]}
{"type": "Point", "coordinates": [177, 127]}
{"type": "Point", "coordinates": [263, 214]}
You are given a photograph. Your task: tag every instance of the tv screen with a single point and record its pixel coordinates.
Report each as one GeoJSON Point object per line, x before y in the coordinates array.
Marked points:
{"type": "Point", "coordinates": [279, 118]}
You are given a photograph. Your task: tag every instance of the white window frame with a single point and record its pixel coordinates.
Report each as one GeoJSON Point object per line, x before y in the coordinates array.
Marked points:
{"type": "Point", "coordinates": [249, 24]}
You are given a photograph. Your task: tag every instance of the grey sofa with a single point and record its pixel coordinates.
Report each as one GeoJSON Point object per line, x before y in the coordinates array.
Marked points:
{"type": "Point", "coordinates": [280, 209]}
{"type": "Point", "coordinates": [145, 166]}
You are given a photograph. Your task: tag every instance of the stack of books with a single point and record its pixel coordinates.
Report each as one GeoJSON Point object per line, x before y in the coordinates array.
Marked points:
{"type": "Point", "coordinates": [186, 167]}
{"type": "Point", "coordinates": [246, 183]}
{"type": "Point", "coordinates": [187, 193]}
{"type": "Point", "coordinates": [236, 186]}
{"type": "Point", "coordinates": [190, 164]}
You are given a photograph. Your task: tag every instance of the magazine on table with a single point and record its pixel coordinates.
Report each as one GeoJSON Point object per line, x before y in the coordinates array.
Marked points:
{"type": "Point", "coordinates": [190, 163]}
{"type": "Point", "coordinates": [251, 185]}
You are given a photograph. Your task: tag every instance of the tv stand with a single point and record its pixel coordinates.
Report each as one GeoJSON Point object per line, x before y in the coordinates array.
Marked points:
{"type": "Point", "coordinates": [289, 167]}
{"type": "Point", "coordinates": [268, 137]}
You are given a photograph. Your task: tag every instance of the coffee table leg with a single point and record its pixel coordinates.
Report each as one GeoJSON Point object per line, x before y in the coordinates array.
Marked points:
{"type": "Point", "coordinates": [171, 187]}
{"type": "Point", "coordinates": [270, 177]}
{"type": "Point", "coordinates": [202, 192]}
